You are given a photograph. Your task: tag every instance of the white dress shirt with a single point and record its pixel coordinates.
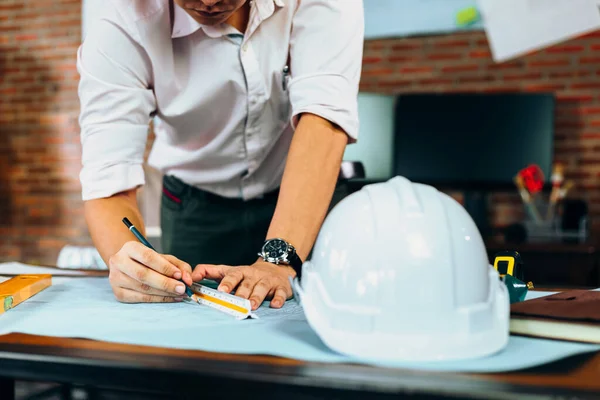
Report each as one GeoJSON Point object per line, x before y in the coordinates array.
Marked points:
{"type": "Point", "coordinates": [224, 109]}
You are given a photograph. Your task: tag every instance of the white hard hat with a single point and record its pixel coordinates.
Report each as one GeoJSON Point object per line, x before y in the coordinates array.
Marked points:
{"type": "Point", "coordinates": [399, 272]}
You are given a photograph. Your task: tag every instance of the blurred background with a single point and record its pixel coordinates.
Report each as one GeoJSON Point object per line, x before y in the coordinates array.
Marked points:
{"type": "Point", "coordinates": [437, 105]}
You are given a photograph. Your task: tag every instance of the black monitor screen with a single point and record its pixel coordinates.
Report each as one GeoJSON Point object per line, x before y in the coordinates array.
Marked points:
{"type": "Point", "coordinates": [472, 139]}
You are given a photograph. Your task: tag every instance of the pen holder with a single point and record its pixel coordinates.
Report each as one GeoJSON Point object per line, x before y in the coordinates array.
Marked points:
{"type": "Point", "coordinates": [551, 227]}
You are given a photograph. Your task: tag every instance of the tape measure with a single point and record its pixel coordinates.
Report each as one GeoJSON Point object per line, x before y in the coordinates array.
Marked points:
{"type": "Point", "coordinates": [228, 303]}
{"type": "Point", "coordinates": [509, 263]}
{"type": "Point", "coordinates": [510, 268]}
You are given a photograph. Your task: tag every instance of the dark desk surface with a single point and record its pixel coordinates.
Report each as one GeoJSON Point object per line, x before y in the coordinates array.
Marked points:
{"type": "Point", "coordinates": [148, 369]}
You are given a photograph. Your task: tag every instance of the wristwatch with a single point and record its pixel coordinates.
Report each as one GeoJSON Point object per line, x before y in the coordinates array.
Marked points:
{"type": "Point", "coordinates": [278, 251]}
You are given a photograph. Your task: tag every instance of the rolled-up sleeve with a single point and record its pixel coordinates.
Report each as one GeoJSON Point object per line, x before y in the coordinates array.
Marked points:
{"type": "Point", "coordinates": [116, 103]}
{"type": "Point", "coordinates": [326, 59]}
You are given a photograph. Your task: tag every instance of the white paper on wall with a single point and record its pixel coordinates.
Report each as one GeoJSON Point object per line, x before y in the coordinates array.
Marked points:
{"type": "Point", "coordinates": [517, 27]}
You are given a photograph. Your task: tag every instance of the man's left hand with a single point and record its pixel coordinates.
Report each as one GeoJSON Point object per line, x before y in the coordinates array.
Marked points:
{"type": "Point", "coordinates": [257, 282]}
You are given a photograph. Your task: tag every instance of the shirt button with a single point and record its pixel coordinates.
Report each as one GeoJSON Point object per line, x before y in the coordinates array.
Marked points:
{"type": "Point", "coordinates": [245, 47]}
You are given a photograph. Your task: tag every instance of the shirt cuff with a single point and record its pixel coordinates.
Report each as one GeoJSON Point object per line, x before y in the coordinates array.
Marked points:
{"type": "Point", "coordinates": [329, 96]}
{"type": "Point", "coordinates": [107, 180]}
{"type": "Point", "coordinates": [112, 160]}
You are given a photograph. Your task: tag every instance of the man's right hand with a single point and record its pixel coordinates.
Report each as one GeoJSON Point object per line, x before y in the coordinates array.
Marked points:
{"type": "Point", "coordinates": [138, 274]}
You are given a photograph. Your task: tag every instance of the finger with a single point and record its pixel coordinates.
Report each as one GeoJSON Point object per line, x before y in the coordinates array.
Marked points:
{"type": "Point", "coordinates": [245, 288]}
{"type": "Point", "coordinates": [261, 290]}
{"type": "Point", "coordinates": [279, 297]}
{"type": "Point", "coordinates": [127, 282]}
{"type": "Point", "coordinates": [184, 267]}
{"type": "Point", "coordinates": [210, 271]}
{"type": "Point", "coordinates": [131, 296]}
{"type": "Point", "coordinates": [150, 277]}
{"type": "Point", "coordinates": [231, 280]}
{"type": "Point", "coordinates": [152, 259]}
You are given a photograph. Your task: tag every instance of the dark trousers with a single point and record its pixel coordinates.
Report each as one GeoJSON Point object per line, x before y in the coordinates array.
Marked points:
{"type": "Point", "coordinates": [202, 228]}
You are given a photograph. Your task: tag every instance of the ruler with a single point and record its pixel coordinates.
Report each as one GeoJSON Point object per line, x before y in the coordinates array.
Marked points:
{"type": "Point", "coordinates": [233, 305]}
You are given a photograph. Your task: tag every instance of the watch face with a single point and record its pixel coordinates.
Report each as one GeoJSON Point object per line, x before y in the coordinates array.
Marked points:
{"type": "Point", "coordinates": [276, 249]}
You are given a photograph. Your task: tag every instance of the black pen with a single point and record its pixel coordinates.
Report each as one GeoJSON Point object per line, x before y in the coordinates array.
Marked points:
{"type": "Point", "coordinates": [146, 243]}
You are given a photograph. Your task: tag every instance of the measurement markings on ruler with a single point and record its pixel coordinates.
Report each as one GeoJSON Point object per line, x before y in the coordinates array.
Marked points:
{"type": "Point", "coordinates": [225, 302]}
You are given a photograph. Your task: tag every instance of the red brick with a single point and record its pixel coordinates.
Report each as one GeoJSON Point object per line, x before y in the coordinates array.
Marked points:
{"type": "Point", "coordinates": [477, 79]}
{"type": "Point", "coordinates": [480, 54]}
{"type": "Point", "coordinates": [590, 136]}
{"type": "Point", "coordinates": [581, 111]}
{"type": "Point", "coordinates": [586, 85]}
{"type": "Point", "coordinates": [509, 65]}
{"type": "Point", "coordinates": [564, 125]}
{"type": "Point", "coordinates": [445, 56]}
{"type": "Point", "coordinates": [576, 97]}
{"type": "Point", "coordinates": [461, 68]}
{"type": "Point", "coordinates": [566, 49]}
{"type": "Point", "coordinates": [10, 29]}
{"type": "Point", "coordinates": [569, 74]}
{"type": "Point", "coordinates": [594, 34]}
{"type": "Point", "coordinates": [434, 82]}
{"type": "Point", "coordinates": [375, 45]}
{"type": "Point", "coordinates": [416, 70]}
{"type": "Point", "coordinates": [26, 38]}
{"type": "Point", "coordinates": [401, 59]}
{"type": "Point", "coordinates": [523, 76]}
{"type": "Point", "coordinates": [68, 67]}
{"type": "Point", "coordinates": [371, 60]}
{"type": "Point", "coordinates": [9, 90]}
{"type": "Point", "coordinates": [502, 89]}
{"type": "Point", "coordinates": [450, 44]}
{"type": "Point", "coordinates": [378, 72]}
{"type": "Point", "coordinates": [12, 7]}
{"type": "Point", "coordinates": [553, 62]}
{"type": "Point", "coordinates": [544, 87]}
{"type": "Point", "coordinates": [407, 46]}
{"type": "Point", "coordinates": [394, 84]}
{"type": "Point", "coordinates": [589, 60]}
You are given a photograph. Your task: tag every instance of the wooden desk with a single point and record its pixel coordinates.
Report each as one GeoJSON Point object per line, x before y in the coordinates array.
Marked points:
{"type": "Point", "coordinates": [211, 376]}
{"type": "Point", "coordinates": [197, 374]}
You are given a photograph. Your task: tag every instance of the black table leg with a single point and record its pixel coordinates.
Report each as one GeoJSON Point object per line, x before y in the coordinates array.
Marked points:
{"type": "Point", "coordinates": [7, 389]}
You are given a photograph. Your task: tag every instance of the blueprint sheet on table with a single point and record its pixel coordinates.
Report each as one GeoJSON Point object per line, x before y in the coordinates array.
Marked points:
{"type": "Point", "coordinates": [86, 308]}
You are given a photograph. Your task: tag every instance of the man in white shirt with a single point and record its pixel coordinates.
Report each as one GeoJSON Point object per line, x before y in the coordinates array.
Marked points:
{"type": "Point", "coordinates": [254, 103]}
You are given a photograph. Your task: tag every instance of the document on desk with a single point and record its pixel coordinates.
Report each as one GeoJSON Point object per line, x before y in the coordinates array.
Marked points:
{"type": "Point", "coordinates": [517, 27]}
{"type": "Point", "coordinates": [86, 308]}
{"type": "Point", "coordinates": [17, 268]}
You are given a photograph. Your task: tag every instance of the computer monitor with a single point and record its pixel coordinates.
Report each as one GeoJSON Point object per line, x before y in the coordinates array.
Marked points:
{"type": "Point", "coordinates": [472, 140]}
{"type": "Point", "coordinates": [376, 132]}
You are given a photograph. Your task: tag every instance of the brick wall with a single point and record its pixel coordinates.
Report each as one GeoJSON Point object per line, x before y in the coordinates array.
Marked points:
{"type": "Point", "coordinates": [462, 62]}
{"type": "Point", "coordinates": [40, 206]}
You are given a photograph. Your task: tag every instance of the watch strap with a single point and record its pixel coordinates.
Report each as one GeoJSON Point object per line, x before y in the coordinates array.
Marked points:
{"type": "Point", "coordinates": [296, 263]}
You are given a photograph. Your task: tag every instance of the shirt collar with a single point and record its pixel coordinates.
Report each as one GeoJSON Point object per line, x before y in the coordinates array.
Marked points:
{"type": "Point", "coordinates": [184, 24]}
